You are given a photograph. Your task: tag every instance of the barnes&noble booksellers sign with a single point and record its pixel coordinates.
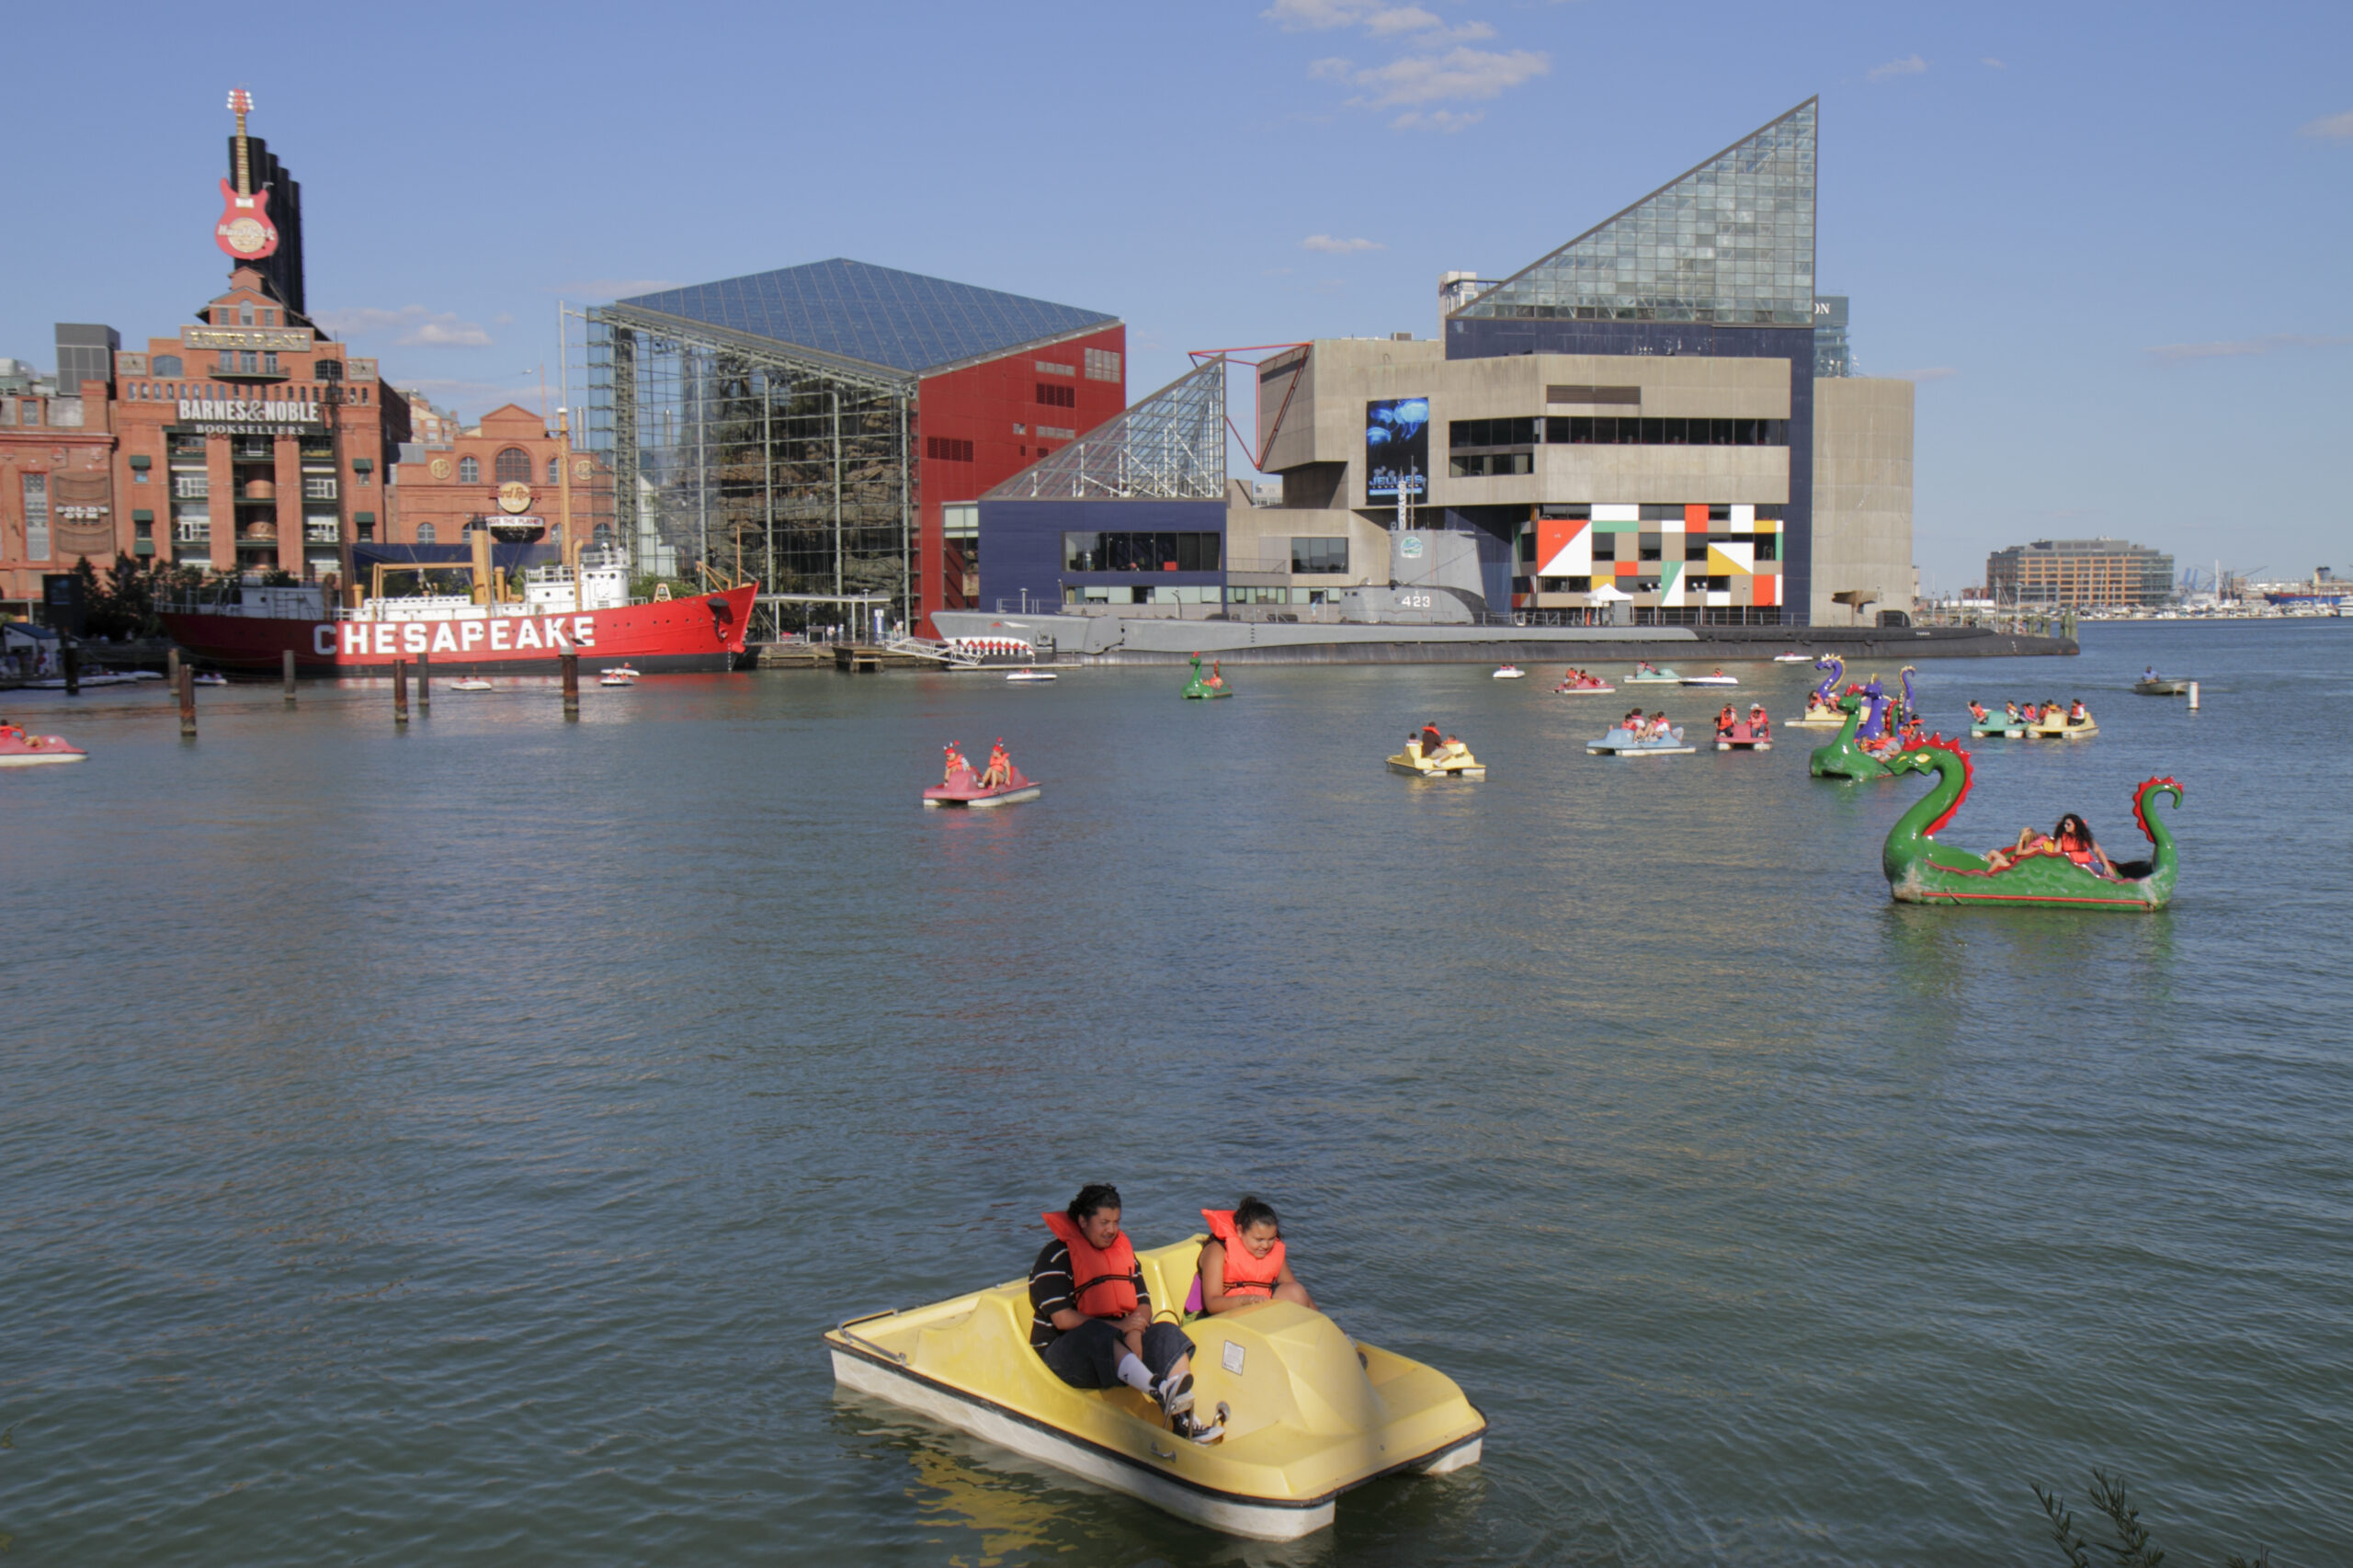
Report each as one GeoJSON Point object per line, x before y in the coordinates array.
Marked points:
{"type": "Point", "coordinates": [233, 416]}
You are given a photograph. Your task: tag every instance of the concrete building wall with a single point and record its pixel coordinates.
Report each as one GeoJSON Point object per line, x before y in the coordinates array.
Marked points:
{"type": "Point", "coordinates": [1862, 495]}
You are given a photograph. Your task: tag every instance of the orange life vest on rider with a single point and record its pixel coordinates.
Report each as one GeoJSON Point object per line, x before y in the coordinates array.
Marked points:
{"type": "Point", "coordinates": [1245, 1275]}
{"type": "Point", "coordinates": [1102, 1282]}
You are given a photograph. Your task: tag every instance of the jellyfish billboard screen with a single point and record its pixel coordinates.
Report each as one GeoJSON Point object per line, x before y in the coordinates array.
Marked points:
{"type": "Point", "coordinates": [1396, 447]}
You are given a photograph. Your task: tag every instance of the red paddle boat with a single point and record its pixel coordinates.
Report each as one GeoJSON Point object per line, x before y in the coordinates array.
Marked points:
{"type": "Point", "coordinates": [19, 749]}
{"type": "Point", "coordinates": [962, 786]}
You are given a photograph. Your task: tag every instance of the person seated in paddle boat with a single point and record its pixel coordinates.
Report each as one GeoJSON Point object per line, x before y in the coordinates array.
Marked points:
{"type": "Point", "coordinates": [1091, 1316]}
{"type": "Point", "coordinates": [2011, 710]}
{"type": "Point", "coordinates": [1000, 769]}
{"type": "Point", "coordinates": [2030, 841]}
{"type": "Point", "coordinates": [1977, 713]}
{"type": "Point", "coordinates": [1644, 668]}
{"type": "Point", "coordinates": [1449, 753]}
{"type": "Point", "coordinates": [1217, 675]}
{"type": "Point", "coordinates": [1760, 723]}
{"type": "Point", "coordinates": [1244, 1264]}
{"type": "Point", "coordinates": [2072, 837]}
{"type": "Point", "coordinates": [1725, 721]}
{"type": "Point", "coordinates": [1431, 739]}
{"type": "Point", "coordinates": [955, 764]}
{"type": "Point", "coordinates": [2077, 714]}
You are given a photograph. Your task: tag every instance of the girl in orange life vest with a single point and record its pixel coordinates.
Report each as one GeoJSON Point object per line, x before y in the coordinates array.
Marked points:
{"type": "Point", "coordinates": [1242, 1262]}
{"type": "Point", "coordinates": [1000, 767]}
{"type": "Point", "coordinates": [955, 761]}
{"type": "Point", "coordinates": [1091, 1316]}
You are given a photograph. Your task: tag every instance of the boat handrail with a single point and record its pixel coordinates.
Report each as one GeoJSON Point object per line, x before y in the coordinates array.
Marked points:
{"type": "Point", "coordinates": [863, 1343]}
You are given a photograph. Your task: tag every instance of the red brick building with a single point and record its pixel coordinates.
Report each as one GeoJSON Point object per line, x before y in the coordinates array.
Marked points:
{"type": "Point", "coordinates": [439, 487]}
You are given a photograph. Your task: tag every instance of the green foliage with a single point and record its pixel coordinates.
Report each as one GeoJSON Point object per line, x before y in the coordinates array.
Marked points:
{"type": "Point", "coordinates": [2132, 1547]}
{"type": "Point", "coordinates": [642, 587]}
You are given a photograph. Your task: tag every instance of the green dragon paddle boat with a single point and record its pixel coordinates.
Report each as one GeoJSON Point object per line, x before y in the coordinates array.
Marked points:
{"type": "Point", "coordinates": [1845, 757]}
{"type": "Point", "coordinates": [1214, 686]}
{"type": "Point", "coordinates": [1921, 870]}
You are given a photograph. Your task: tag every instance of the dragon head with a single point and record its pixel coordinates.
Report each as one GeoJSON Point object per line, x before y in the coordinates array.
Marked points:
{"type": "Point", "coordinates": [1920, 757]}
{"type": "Point", "coordinates": [2167, 785]}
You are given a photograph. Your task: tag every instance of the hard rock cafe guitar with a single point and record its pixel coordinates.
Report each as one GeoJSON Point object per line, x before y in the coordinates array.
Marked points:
{"type": "Point", "coordinates": [245, 231]}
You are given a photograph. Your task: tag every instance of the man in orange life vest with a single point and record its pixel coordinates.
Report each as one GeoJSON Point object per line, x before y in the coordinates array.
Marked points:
{"type": "Point", "coordinates": [1091, 1317]}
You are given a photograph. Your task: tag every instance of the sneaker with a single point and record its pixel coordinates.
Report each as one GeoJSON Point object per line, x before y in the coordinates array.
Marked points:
{"type": "Point", "coordinates": [1192, 1430]}
{"type": "Point", "coordinates": [1176, 1398]}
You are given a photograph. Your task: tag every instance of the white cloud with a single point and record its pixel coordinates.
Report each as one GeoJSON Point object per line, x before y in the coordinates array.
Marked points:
{"type": "Point", "coordinates": [1997, 64]}
{"type": "Point", "coordinates": [417, 327]}
{"type": "Point", "coordinates": [1910, 65]}
{"type": "Point", "coordinates": [1933, 373]}
{"type": "Point", "coordinates": [2329, 128]}
{"type": "Point", "coordinates": [1334, 68]}
{"type": "Point", "coordinates": [2241, 348]}
{"type": "Point", "coordinates": [1436, 120]}
{"type": "Point", "coordinates": [1331, 246]}
{"type": "Point", "coordinates": [1474, 74]}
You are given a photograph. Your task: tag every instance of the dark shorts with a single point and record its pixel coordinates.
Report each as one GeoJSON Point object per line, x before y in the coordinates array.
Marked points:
{"type": "Point", "coordinates": [1088, 1355]}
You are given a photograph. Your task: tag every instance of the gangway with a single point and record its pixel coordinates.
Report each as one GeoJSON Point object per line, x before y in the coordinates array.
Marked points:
{"type": "Point", "coordinates": [945, 654]}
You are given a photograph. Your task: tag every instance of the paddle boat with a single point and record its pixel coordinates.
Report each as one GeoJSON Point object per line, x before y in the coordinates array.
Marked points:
{"type": "Point", "coordinates": [1212, 687]}
{"type": "Point", "coordinates": [617, 675]}
{"type": "Point", "coordinates": [1510, 672]}
{"type": "Point", "coordinates": [1986, 725]}
{"type": "Point", "coordinates": [1575, 683]}
{"type": "Point", "coordinates": [1846, 757]}
{"type": "Point", "coordinates": [1623, 742]}
{"type": "Point", "coordinates": [1715, 677]}
{"type": "Point", "coordinates": [1921, 870]}
{"type": "Point", "coordinates": [2056, 724]}
{"type": "Point", "coordinates": [472, 682]}
{"type": "Point", "coordinates": [1306, 1412]}
{"type": "Point", "coordinates": [1452, 760]}
{"type": "Point", "coordinates": [1647, 674]}
{"type": "Point", "coordinates": [960, 787]}
{"type": "Point", "coordinates": [1822, 702]}
{"type": "Point", "coordinates": [21, 748]}
{"type": "Point", "coordinates": [1793, 658]}
{"type": "Point", "coordinates": [1029, 677]}
{"type": "Point", "coordinates": [207, 677]}
{"type": "Point", "coordinates": [1752, 733]}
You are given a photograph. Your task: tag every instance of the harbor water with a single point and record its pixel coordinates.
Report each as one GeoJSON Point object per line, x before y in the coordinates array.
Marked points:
{"type": "Point", "coordinates": [447, 1145]}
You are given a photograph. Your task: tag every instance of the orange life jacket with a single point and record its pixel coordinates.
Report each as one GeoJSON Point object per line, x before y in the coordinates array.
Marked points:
{"type": "Point", "coordinates": [1102, 1280]}
{"type": "Point", "coordinates": [1245, 1275]}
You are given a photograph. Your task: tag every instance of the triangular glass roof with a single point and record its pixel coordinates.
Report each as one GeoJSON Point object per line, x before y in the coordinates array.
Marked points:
{"type": "Point", "coordinates": [1731, 242]}
{"type": "Point", "coordinates": [1168, 447]}
{"type": "Point", "coordinates": [900, 320]}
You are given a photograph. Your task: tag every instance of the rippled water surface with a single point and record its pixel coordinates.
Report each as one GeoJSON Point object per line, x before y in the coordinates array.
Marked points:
{"type": "Point", "coordinates": [448, 1146]}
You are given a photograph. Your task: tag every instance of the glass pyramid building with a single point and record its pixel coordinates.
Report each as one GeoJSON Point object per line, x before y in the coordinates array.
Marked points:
{"type": "Point", "coordinates": [1731, 243]}
{"type": "Point", "coordinates": [1169, 446]}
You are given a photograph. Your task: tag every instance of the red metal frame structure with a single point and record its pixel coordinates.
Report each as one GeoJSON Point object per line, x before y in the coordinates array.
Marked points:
{"type": "Point", "coordinates": [1264, 351]}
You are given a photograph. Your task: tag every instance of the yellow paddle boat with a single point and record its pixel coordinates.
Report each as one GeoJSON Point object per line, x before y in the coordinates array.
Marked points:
{"type": "Point", "coordinates": [2055, 725]}
{"type": "Point", "coordinates": [1307, 1413]}
{"type": "Point", "coordinates": [1452, 760]}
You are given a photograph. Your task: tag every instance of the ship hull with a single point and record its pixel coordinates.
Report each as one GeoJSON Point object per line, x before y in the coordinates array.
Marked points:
{"type": "Point", "coordinates": [701, 633]}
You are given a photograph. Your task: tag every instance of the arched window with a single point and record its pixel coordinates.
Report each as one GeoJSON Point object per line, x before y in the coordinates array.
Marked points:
{"type": "Point", "coordinates": [555, 471]}
{"type": "Point", "coordinates": [424, 530]}
{"type": "Point", "coordinates": [602, 535]}
{"type": "Point", "coordinates": [166, 364]}
{"type": "Point", "coordinates": [468, 471]}
{"type": "Point", "coordinates": [513, 466]}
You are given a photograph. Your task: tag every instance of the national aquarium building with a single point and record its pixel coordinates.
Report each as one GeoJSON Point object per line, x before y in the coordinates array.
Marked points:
{"type": "Point", "coordinates": [1655, 424]}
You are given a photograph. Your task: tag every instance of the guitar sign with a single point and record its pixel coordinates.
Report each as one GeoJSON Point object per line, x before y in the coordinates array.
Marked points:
{"type": "Point", "coordinates": [245, 231]}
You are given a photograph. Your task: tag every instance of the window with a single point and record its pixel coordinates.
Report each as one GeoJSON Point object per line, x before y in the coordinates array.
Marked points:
{"type": "Point", "coordinates": [513, 467]}
{"type": "Point", "coordinates": [1319, 554]}
{"type": "Point", "coordinates": [1057, 397]}
{"type": "Point", "coordinates": [555, 471]}
{"type": "Point", "coordinates": [424, 530]}
{"type": "Point", "coordinates": [1601, 430]}
{"type": "Point", "coordinates": [1143, 551]}
{"type": "Point", "coordinates": [321, 530]}
{"type": "Point", "coordinates": [1605, 547]}
{"type": "Point", "coordinates": [1102, 365]}
{"type": "Point", "coordinates": [1695, 550]}
{"type": "Point", "coordinates": [366, 528]}
{"type": "Point", "coordinates": [318, 487]}
{"type": "Point", "coordinates": [138, 476]}
{"type": "Point", "coordinates": [947, 449]}
{"type": "Point", "coordinates": [1056, 433]}
{"type": "Point", "coordinates": [1047, 367]}
{"type": "Point", "coordinates": [1527, 546]}
{"type": "Point", "coordinates": [1478, 464]}
{"type": "Point", "coordinates": [245, 315]}
{"type": "Point", "coordinates": [468, 471]}
{"type": "Point", "coordinates": [29, 411]}
{"type": "Point", "coordinates": [269, 363]}
{"type": "Point", "coordinates": [1462, 433]}
{"type": "Point", "coordinates": [191, 486]}
{"type": "Point", "coordinates": [36, 516]}
{"type": "Point", "coordinates": [1768, 547]}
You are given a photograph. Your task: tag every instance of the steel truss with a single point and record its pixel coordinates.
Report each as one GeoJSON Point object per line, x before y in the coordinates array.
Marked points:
{"type": "Point", "coordinates": [1167, 445]}
{"type": "Point", "coordinates": [753, 459]}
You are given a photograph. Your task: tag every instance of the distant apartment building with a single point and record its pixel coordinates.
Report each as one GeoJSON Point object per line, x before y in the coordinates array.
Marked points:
{"type": "Point", "coordinates": [2083, 574]}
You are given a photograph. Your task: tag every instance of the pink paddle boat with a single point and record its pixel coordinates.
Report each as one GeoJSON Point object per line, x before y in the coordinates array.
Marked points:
{"type": "Point", "coordinates": [962, 787]}
{"type": "Point", "coordinates": [19, 749]}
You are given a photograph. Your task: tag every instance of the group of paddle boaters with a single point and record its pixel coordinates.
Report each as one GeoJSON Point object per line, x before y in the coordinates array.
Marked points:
{"type": "Point", "coordinates": [1575, 680]}
{"type": "Point", "coordinates": [2045, 717]}
{"type": "Point", "coordinates": [1758, 727]}
{"type": "Point", "coordinates": [1091, 1316]}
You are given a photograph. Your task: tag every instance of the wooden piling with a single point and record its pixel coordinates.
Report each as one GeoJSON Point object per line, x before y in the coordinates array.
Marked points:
{"type": "Point", "coordinates": [185, 680]}
{"type": "Point", "coordinates": [172, 669]}
{"type": "Point", "coordinates": [424, 684]}
{"type": "Point", "coordinates": [287, 668]}
{"type": "Point", "coordinates": [71, 653]}
{"type": "Point", "coordinates": [571, 685]}
{"type": "Point", "coordinates": [399, 691]}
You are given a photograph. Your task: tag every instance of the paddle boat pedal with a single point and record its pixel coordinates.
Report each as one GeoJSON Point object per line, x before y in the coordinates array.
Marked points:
{"type": "Point", "coordinates": [1453, 761]}
{"type": "Point", "coordinates": [1214, 686]}
{"type": "Point", "coordinates": [1307, 1415]}
{"type": "Point", "coordinates": [1623, 741]}
{"type": "Point", "coordinates": [20, 748]}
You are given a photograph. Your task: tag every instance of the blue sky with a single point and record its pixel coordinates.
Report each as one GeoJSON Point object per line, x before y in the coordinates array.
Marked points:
{"type": "Point", "coordinates": [2111, 243]}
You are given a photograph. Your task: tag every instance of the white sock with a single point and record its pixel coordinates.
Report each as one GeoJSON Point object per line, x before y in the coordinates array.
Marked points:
{"type": "Point", "coordinates": [1133, 1373]}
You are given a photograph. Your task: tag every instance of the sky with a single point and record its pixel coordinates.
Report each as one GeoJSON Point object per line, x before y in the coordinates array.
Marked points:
{"type": "Point", "coordinates": [2110, 244]}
